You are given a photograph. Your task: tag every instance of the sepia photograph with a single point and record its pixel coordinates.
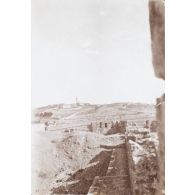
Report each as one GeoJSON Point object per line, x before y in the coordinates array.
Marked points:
{"type": "Point", "coordinates": [98, 98]}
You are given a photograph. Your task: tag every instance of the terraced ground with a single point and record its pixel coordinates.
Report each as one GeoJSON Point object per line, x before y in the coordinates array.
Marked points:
{"type": "Point", "coordinates": [78, 117]}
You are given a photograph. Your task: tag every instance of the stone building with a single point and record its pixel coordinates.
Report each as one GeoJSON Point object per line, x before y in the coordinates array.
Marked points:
{"type": "Point", "coordinates": [101, 126]}
{"type": "Point", "coordinates": [108, 127]}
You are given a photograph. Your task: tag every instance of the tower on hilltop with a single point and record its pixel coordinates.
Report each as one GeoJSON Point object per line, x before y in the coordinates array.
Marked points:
{"type": "Point", "coordinates": [77, 101]}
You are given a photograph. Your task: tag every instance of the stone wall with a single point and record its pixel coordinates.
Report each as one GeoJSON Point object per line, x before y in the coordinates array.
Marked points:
{"type": "Point", "coordinates": [160, 117]}
{"type": "Point", "coordinates": [130, 165]}
{"type": "Point", "coordinates": [157, 27]}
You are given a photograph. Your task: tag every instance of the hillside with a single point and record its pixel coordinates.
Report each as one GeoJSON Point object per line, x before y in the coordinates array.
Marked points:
{"type": "Point", "coordinates": [73, 116]}
{"type": "Point", "coordinates": [68, 152]}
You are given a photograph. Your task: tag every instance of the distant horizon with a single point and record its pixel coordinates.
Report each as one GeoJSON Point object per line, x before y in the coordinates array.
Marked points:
{"type": "Point", "coordinates": [74, 103]}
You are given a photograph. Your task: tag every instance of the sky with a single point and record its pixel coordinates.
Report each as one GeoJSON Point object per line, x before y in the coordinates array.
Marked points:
{"type": "Point", "coordinates": [97, 50]}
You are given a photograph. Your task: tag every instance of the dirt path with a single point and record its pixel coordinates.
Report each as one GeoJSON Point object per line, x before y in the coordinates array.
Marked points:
{"type": "Point", "coordinates": [119, 162]}
{"type": "Point", "coordinates": [116, 181]}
